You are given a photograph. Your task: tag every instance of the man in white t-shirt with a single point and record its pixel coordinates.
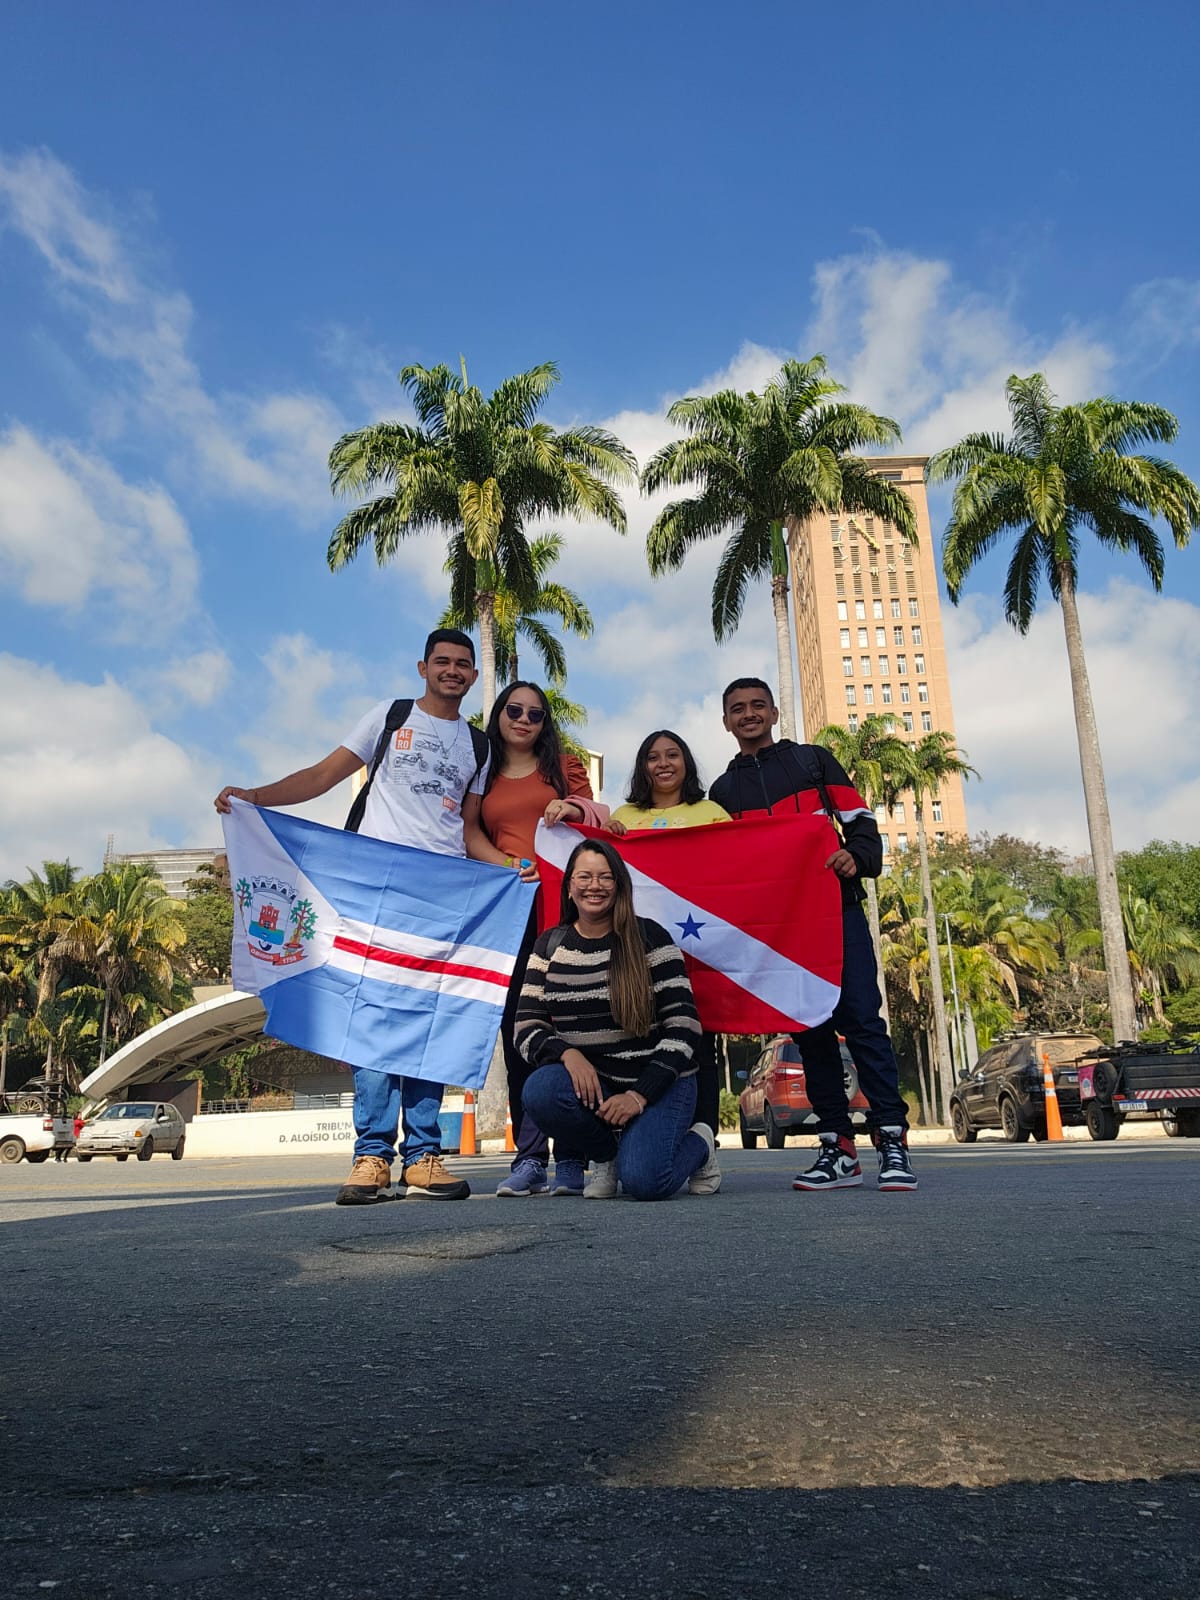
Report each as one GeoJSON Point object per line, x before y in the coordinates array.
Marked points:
{"type": "Point", "coordinates": [426, 792]}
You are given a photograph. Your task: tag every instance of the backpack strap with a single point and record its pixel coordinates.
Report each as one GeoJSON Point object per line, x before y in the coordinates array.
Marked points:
{"type": "Point", "coordinates": [479, 743]}
{"type": "Point", "coordinates": [398, 714]}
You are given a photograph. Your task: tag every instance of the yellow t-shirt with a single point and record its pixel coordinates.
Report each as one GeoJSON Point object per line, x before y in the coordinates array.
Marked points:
{"type": "Point", "coordinates": [671, 816]}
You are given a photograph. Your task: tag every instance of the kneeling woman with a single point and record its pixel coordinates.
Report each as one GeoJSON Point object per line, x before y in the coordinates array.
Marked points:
{"type": "Point", "coordinates": [607, 1018]}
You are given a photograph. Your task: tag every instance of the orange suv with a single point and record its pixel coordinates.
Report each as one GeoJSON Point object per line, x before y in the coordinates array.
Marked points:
{"type": "Point", "coordinates": [775, 1101]}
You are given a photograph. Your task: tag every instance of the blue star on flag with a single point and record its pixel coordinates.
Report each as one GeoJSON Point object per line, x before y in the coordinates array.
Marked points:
{"type": "Point", "coordinates": [691, 928]}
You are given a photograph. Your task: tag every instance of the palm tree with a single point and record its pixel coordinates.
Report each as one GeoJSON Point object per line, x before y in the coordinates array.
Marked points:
{"type": "Point", "coordinates": [876, 761]}
{"type": "Point", "coordinates": [1163, 952]}
{"type": "Point", "coordinates": [515, 617]}
{"type": "Point", "coordinates": [760, 459]}
{"type": "Point", "coordinates": [32, 921]}
{"type": "Point", "coordinates": [477, 469]}
{"type": "Point", "coordinates": [1065, 469]}
{"type": "Point", "coordinates": [930, 764]}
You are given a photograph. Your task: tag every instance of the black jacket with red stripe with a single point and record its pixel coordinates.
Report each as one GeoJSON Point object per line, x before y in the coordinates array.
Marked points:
{"type": "Point", "coordinates": [787, 776]}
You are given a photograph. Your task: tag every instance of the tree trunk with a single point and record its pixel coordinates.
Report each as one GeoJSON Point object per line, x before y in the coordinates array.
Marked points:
{"type": "Point", "coordinates": [783, 632]}
{"type": "Point", "coordinates": [972, 1039]}
{"type": "Point", "coordinates": [877, 941]}
{"type": "Point", "coordinates": [1112, 929]}
{"type": "Point", "coordinates": [941, 1031]}
{"type": "Point", "coordinates": [922, 1086]}
{"type": "Point", "coordinates": [492, 1110]}
{"type": "Point", "coordinates": [941, 1113]}
{"type": "Point", "coordinates": [485, 610]}
{"type": "Point", "coordinates": [3, 1054]}
{"type": "Point", "coordinates": [104, 1023]}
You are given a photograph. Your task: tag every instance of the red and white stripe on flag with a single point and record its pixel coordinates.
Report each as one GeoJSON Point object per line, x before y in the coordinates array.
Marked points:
{"type": "Point", "coordinates": [751, 905]}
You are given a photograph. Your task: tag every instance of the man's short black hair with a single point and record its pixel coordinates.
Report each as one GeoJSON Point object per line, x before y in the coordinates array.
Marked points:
{"type": "Point", "coordinates": [746, 683]}
{"type": "Point", "coordinates": [448, 636]}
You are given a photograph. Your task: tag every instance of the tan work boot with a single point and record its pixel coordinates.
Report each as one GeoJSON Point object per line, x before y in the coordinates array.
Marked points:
{"type": "Point", "coordinates": [428, 1179]}
{"type": "Point", "coordinates": [369, 1181]}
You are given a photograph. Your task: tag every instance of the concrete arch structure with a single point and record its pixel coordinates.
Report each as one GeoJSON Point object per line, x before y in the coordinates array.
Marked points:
{"type": "Point", "coordinates": [189, 1039]}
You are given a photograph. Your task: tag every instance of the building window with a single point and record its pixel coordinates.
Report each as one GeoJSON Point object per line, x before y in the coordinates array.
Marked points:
{"type": "Point", "coordinates": [908, 721]}
{"type": "Point", "coordinates": [917, 640]}
{"type": "Point", "coordinates": [847, 666]}
{"type": "Point", "coordinates": [862, 638]}
{"type": "Point", "coordinates": [886, 693]}
{"type": "Point", "coordinates": [898, 812]}
{"type": "Point", "coordinates": [880, 637]}
{"type": "Point", "coordinates": [898, 636]}
{"type": "Point", "coordinates": [850, 697]}
{"type": "Point", "coordinates": [835, 530]}
{"type": "Point", "coordinates": [923, 692]}
{"type": "Point", "coordinates": [841, 610]}
{"type": "Point", "coordinates": [905, 694]}
{"type": "Point", "coordinates": [887, 848]}
{"type": "Point", "coordinates": [868, 695]}
{"type": "Point", "coordinates": [864, 663]}
{"type": "Point", "coordinates": [877, 608]}
{"type": "Point", "coordinates": [860, 610]}
{"type": "Point", "coordinates": [845, 638]}
{"type": "Point", "coordinates": [883, 666]}
{"type": "Point", "coordinates": [881, 815]}
{"type": "Point", "coordinates": [895, 608]}
{"type": "Point", "coordinates": [912, 608]}
{"type": "Point", "coordinates": [852, 723]}
{"type": "Point", "coordinates": [901, 841]}
{"type": "Point", "coordinates": [918, 664]}
{"type": "Point", "coordinates": [927, 722]}
{"type": "Point", "coordinates": [937, 810]}
{"type": "Point", "coordinates": [939, 838]}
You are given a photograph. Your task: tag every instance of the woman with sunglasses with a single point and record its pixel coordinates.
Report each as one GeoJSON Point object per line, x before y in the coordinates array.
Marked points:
{"type": "Point", "coordinates": [665, 792]}
{"type": "Point", "coordinates": [608, 1021]}
{"type": "Point", "coordinates": [530, 780]}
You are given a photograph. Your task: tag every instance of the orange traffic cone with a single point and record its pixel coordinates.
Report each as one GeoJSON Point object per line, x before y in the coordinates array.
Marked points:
{"type": "Point", "coordinates": [1053, 1114]}
{"type": "Point", "coordinates": [467, 1143]}
{"type": "Point", "coordinates": [510, 1144]}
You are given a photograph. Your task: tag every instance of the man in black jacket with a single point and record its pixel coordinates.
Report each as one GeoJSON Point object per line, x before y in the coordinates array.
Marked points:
{"type": "Point", "coordinates": [768, 777]}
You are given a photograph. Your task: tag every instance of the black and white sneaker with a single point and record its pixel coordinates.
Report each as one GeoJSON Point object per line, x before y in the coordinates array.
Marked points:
{"type": "Point", "coordinates": [895, 1170]}
{"type": "Point", "coordinates": [836, 1166]}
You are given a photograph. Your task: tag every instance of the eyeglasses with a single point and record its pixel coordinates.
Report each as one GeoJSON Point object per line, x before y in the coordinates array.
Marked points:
{"type": "Point", "coordinates": [533, 714]}
{"type": "Point", "coordinates": [586, 880]}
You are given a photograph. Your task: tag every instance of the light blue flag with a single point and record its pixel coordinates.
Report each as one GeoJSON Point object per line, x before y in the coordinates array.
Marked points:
{"type": "Point", "coordinates": [385, 957]}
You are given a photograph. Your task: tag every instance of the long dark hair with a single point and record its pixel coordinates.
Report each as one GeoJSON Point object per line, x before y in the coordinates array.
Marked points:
{"type": "Point", "coordinates": [641, 790]}
{"type": "Point", "coordinates": [546, 749]}
{"type": "Point", "coordinates": [629, 991]}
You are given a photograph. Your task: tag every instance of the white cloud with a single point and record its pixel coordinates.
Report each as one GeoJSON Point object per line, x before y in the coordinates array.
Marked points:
{"type": "Point", "coordinates": [198, 679]}
{"type": "Point", "coordinates": [73, 533]}
{"type": "Point", "coordinates": [1014, 717]}
{"type": "Point", "coordinates": [81, 760]}
{"type": "Point", "coordinates": [270, 448]}
{"type": "Point", "coordinates": [1164, 315]}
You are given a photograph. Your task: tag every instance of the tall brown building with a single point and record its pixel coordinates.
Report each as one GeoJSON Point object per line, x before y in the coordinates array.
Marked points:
{"type": "Point", "coordinates": [868, 629]}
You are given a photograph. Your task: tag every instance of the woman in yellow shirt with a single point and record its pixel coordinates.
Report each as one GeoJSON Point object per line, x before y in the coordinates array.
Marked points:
{"type": "Point", "coordinates": [665, 792]}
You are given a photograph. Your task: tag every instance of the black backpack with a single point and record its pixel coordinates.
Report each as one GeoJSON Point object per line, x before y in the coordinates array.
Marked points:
{"type": "Point", "coordinates": [398, 714]}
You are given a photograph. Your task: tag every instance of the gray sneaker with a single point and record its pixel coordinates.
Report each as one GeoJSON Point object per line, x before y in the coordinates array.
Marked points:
{"type": "Point", "coordinates": [603, 1184]}
{"type": "Point", "coordinates": [705, 1179]}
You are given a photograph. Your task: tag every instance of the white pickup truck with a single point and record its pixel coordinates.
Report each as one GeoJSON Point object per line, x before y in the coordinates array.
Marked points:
{"type": "Point", "coordinates": [34, 1135]}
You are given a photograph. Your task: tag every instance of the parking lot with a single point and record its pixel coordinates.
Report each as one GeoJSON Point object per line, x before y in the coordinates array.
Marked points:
{"type": "Point", "coordinates": [217, 1383]}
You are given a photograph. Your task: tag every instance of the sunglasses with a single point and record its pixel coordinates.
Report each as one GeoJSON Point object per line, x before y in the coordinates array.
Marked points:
{"type": "Point", "coordinates": [515, 713]}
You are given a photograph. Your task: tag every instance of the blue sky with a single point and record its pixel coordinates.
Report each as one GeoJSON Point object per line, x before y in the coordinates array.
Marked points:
{"type": "Point", "coordinates": [223, 230]}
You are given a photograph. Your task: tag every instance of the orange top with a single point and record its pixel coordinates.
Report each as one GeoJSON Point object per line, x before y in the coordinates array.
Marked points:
{"type": "Point", "coordinates": [513, 807]}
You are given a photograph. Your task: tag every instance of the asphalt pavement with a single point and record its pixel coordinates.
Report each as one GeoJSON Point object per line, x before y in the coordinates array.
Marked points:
{"type": "Point", "coordinates": [217, 1384]}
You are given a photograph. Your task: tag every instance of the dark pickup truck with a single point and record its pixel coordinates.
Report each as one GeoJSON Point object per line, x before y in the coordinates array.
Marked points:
{"type": "Point", "coordinates": [1142, 1077]}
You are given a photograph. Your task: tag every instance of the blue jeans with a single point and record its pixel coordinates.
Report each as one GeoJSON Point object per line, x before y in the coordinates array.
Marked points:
{"type": "Point", "coordinates": [379, 1100]}
{"type": "Point", "coordinates": [856, 1017]}
{"type": "Point", "coordinates": [655, 1154]}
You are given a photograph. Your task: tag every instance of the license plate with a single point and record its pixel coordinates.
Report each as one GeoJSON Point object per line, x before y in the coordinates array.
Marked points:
{"type": "Point", "coordinates": [1070, 1077]}
{"type": "Point", "coordinates": [1131, 1105]}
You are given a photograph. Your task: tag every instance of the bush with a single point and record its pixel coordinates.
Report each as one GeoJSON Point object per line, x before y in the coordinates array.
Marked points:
{"type": "Point", "coordinates": [729, 1109]}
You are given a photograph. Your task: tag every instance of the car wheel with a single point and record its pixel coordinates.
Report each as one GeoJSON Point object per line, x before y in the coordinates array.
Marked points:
{"type": "Point", "coordinates": [960, 1125]}
{"type": "Point", "coordinates": [177, 1153]}
{"type": "Point", "coordinates": [1102, 1121]}
{"type": "Point", "coordinates": [775, 1134]}
{"type": "Point", "coordinates": [37, 1156]}
{"type": "Point", "coordinates": [1041, 1133]}
{"type": "Point", "coordinates": [78, 1157]}
{"type": "Point", "coordinates": [11, 1150]}
{"type": "Point", "coordinates": [1011, 1126]}
{"type": "Point", "coordinates": [1172, 1126]}
{"type": "Point", "coordinates": [1189, 1124]}
{"type": "Point", "coordinates": [749, 1137]}
{"type": "Point", "coordinates": [125, 1157]}
{"type": "Point", "coordinates": [146, 1151]}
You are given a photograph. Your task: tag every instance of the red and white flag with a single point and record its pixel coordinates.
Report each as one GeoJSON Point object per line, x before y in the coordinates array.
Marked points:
{"type": "Point", "coordinates": [752, 906]}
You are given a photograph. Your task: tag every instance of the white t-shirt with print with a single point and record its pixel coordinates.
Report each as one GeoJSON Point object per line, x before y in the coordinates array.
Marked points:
{"type": "Point", "coordinates": [416, 798]}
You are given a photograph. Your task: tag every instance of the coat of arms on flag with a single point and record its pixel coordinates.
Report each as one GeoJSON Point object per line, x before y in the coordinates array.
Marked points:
{"type": "Point", "coordinates": [751, 904]}
{"type": "Point", "coordinates": [372, 953]}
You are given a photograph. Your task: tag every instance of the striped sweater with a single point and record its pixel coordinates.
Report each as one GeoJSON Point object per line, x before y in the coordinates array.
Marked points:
{"type": "Point", "coordinates": [564, 1004]}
